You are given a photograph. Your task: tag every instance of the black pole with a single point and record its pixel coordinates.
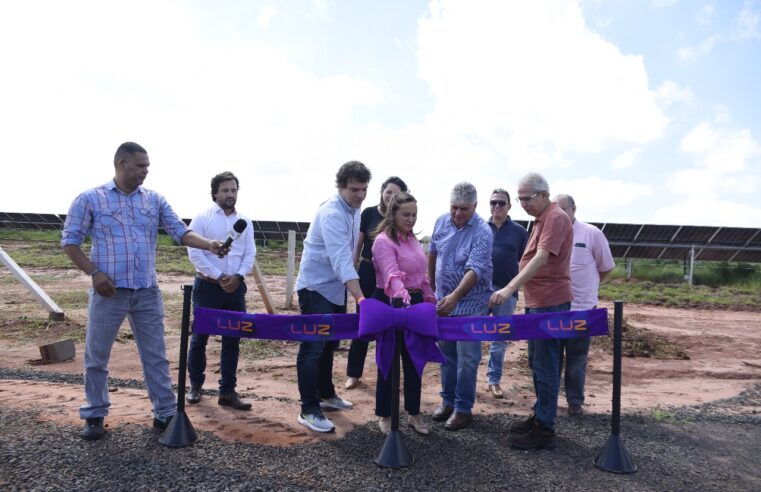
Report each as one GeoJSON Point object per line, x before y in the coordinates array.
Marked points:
{"type": "Point", "coordinates": [180, 433]}
{"type": "Point", "coordinates": [614, 457]}
{"type": "Point", "coordinates": [394, 453]}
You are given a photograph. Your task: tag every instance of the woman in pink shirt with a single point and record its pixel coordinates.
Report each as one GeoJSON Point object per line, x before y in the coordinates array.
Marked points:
{"type": "Point", "coordinates": [401, 273]}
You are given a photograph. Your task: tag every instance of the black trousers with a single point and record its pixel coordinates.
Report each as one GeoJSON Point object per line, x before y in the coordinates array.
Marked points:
{"type": "Point", "coordinates": [412, 382]}
{"type": "Point", "coordinates": [355, 365]}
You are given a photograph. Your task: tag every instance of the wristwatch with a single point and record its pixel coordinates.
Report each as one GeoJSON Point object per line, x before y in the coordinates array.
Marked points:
{"type": "Point", "coordinates": [240, 277]}
{"type": "Point", "coordinates": [94, 272]}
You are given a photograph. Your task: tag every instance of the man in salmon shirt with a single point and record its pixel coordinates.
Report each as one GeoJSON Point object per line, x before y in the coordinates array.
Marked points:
{"type": "Point", "coordinates": [545, 277]}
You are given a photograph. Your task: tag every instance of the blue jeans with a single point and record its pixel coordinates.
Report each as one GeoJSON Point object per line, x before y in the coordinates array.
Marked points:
{"type": "Point", "coordinates": [208, 295]}
{"type": "Point", "coordinates": [459, 373]}
{"type": "Point", "coordinates": [497, 349]}
{"type": "Point", "coordinates": [576, 353]}
{"type": "Point", "coordinates": [144, 309]}
{"type": "Point", "coordinates": [544, 360]}
{"type": "Point", "coordinates": [314, 363]}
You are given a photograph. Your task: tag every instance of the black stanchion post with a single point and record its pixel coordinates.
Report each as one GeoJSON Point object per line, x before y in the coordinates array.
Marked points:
{"type": "Point", "coordinates": [614, 457]}
{"type": "Point", "coordinates": [394, 453]}
{"type": "Point", "coordinates": [180, 433]}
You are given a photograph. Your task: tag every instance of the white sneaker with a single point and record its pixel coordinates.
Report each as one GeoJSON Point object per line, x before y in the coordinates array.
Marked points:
{"type": "Point", "coordinates": [336, 403]}
{"type": "Point", "coordinates": [317, 422]}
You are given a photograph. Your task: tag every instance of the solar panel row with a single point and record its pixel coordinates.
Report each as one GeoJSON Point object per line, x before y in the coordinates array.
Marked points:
{"type": "Point", "coordinates": [626, 240]}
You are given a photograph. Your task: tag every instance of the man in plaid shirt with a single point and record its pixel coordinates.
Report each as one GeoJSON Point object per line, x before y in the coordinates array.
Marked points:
{"type": "Point", "coordinates": [122, 219]}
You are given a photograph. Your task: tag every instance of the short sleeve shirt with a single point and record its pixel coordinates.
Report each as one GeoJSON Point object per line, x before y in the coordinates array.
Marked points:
{"type": "Point", "coordinates": [551, 285]}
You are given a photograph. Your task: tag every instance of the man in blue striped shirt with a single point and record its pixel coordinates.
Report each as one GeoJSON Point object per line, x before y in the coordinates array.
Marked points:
{"type": "Point", "coordinates": [325, 274]}
{"type": "Point", "coordinates": [122, 219]}
{"type": "Point", "coordinates": [460, 270]}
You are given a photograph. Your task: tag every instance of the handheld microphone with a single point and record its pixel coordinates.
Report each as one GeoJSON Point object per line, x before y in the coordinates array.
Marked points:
{"type": "Point", "coordinates": [238, 228]}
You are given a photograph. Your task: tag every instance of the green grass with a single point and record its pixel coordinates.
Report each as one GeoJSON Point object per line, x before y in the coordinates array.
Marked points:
{"type": "Point", "coordinates": [718, 285]}
{"type": "Point", "coordinates": [38, 253]}
{"type": "Point", "coordinates": [39, 330]}
{"type": "Point", "coordinates": [255, 349]}
{"type": "Point", "coordinates": [746, 298]}
{"type": "Point", "coordinates": [74, 299]}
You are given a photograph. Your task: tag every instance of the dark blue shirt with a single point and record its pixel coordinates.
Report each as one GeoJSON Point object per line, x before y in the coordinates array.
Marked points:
{"type": "Point", "coordinates": [509, 243]}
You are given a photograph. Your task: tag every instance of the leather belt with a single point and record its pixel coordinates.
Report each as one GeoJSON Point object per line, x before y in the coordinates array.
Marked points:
{"type": "Point", "coordinates": [207, 279]}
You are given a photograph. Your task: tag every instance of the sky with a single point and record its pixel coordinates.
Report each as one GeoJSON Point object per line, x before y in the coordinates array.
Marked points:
{"type": "Point", "coordinates": [645, 111]}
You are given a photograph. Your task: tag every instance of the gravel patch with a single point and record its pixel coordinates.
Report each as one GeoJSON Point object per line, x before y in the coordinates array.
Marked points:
{"type": "Point", "coordinates": [702, 447]}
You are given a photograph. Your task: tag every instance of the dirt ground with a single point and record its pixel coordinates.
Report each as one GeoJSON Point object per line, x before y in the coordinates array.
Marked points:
{"type": "Point", "coordinates": [723, 349]}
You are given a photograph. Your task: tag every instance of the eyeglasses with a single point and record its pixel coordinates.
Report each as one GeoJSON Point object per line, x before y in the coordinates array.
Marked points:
{"type": "Point", "coordinates": [524, 199]}
{"type": "Point", "coordinates": [497, 203]}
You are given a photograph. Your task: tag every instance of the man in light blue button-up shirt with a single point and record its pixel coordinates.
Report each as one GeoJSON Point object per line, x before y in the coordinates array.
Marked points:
{"type": "Point", "coordinates": [460, 269]}
{"type": "Point", "coordinates": [325, 274]}
{"type": "Point", "coordinates": [122, 219]}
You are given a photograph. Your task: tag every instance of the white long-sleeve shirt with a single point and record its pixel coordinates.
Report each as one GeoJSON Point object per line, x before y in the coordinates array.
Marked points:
{"type": "Point", "coordinates": [214, 224]}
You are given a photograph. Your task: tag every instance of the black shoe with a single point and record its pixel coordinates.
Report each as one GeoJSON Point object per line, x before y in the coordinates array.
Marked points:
{"type": "Point", "coordinates": [523, 426]}
{"type": "Point", "coordinates": [233, 401]}
{"type": "Point", "coordinates": [93, 429]}
{"type": "Point", "coordinates": [540, 437]}
{"type": "Point", "coordinates": [442, 413]}
{"type": "Point", "coordinates": [161, 425]}
{"type": "Point", "coordinates": [194, 395]}
{"type": "Point", "coordinates": [575, 410]}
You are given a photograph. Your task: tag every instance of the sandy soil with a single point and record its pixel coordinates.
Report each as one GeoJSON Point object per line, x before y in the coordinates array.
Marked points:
{"type": "Point", "coordinates": [724, 350]}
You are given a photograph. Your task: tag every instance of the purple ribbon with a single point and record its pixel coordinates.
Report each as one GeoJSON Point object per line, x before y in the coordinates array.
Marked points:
{"type": "Point", "coordinates": [419, 323]}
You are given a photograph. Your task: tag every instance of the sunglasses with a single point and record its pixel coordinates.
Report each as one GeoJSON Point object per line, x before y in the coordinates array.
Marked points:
{"type": "Point", "coordinates": [498, 203]}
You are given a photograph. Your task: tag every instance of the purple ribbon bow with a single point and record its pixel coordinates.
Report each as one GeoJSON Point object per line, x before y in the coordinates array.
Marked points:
{"type": "Point", "coordinates": [420, 324]}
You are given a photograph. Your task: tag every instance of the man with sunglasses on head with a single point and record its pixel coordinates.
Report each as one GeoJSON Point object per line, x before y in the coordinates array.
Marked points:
{"type": "Point", "coordinates": [545, 277]}
{"type": "Point", "coordinates": [509, 243]}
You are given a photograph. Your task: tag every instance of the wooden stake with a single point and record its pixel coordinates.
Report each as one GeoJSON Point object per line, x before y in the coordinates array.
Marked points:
{"type": "Point", "coordinates": [291, 268]}
{"type": "Point", "coordinates": [265, 293]}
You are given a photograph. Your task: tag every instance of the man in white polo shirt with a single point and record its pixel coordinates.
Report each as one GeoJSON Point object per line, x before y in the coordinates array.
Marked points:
{"type": "Point", "coordinates": [591, 262]}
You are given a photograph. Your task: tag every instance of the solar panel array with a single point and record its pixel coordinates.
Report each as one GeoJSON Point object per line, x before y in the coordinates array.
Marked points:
{"type": "Point", "coordinates": [626, 240]}
{"type": "Point", "coordinates": [263, 229]}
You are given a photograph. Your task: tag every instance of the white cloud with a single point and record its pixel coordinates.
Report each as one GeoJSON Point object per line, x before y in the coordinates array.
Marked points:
{"type": "Point", "coordinates": [722, 150]}
{"type": "Point", "coordinates": [691, 53]}
{"type": "Point", "coordinates": [662, 4]}
{"type": "Point", "coordinates": [266, 14]}
{"type": "Point", "coordinates": [747, 26]}
{"type": "Point", "coordinates": [670, 93]}
{"type": "Point", "coordinates": [728, 166]}
{"type": "Point", "coordinates": [534, 73]}
{"type": "Point", "coordinates": [626, 159]}
{"type": "Point", "coordinates": [596, 196]}
{"type": "Point", "coordinates": [704, 15]}
{"type": "Point", "coordinates": [708, 210]}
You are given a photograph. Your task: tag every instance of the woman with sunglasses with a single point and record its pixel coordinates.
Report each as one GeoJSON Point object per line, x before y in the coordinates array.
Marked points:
{"type": "Point", "coordinates": [401, 273]}
{"type": "Point", "coordinates": [371, 217]}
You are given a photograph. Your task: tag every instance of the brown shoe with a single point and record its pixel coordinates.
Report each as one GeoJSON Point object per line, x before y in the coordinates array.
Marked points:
{"type": "Point", "coordinates": [496, 391]}
{"type": "Point", "coordinates": [458, 420]}
{"type": "Point", "coordinates": [442, 413]}
{"type": "Point", "coordinates": [233, 401]}
{"type": "Point", "coordinates": [417, 424]}
{"type": "Point", "coordinates": [575, 410]}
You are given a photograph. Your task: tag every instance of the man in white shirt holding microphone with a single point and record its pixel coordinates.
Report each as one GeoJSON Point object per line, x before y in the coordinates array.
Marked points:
{"type": "Point", "coordinates": [220, 284]}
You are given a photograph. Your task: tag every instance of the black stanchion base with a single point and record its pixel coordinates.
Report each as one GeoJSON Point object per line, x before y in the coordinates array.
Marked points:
{"type": "Point", "coordinates": [614, 457]}
{"type": "Point", "coordinates": [394, 453]}
{"type": "Point", "coordinates": [179, 433]}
